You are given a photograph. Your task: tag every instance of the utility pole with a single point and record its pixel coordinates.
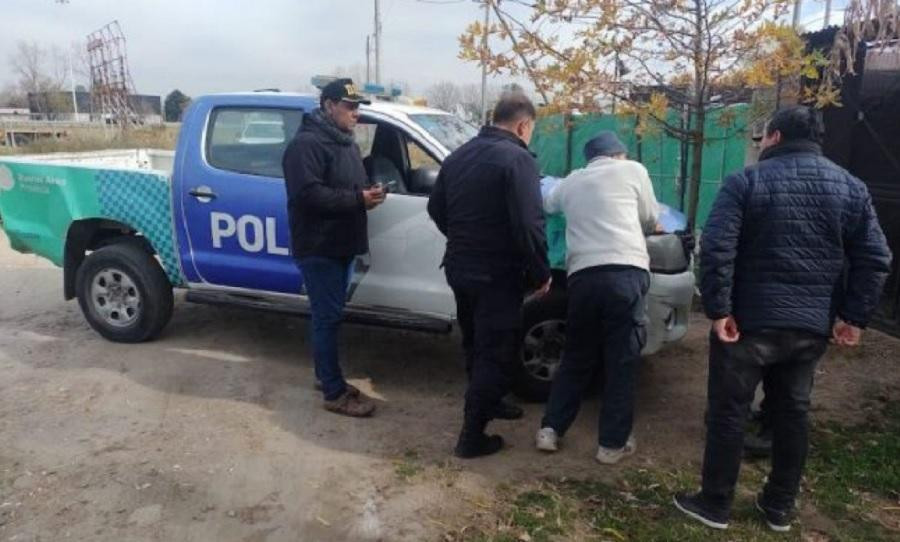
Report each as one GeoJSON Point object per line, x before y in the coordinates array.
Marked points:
{"type": "Point", "coordinates": [377, 42]}
{"type": "Point", "coordinates": [71, 76]}
{"type": "Point", "coordinates": [797, 5]}
{"type": "Point", "coordinates": [827, 13]}
{"type": "Point", "coordinates": [484, 45]}
{"type": "Point", "coordinates": [72, 82]}
{"type": "Point", "coordinates": [368, 59]}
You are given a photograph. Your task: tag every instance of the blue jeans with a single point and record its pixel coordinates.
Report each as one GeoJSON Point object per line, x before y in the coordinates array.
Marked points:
{"type": "Point", "coordinates": [605, 325]}
{"type": "Point", "coordinates": [326, 285]}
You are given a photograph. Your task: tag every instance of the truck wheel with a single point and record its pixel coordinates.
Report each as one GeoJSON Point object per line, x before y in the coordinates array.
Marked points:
{"type": "Point", "coordinates": [543, 341]}
{"type": "Point", "coordinates": [124, 293]}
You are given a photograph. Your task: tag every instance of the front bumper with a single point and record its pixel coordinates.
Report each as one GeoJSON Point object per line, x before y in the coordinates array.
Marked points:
{"type": "Point", "coordinates": [668, 308]}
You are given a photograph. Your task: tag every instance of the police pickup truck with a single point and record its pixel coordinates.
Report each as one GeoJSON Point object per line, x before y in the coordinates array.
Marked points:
{"type": "Point", "coordinates": [128, 227]}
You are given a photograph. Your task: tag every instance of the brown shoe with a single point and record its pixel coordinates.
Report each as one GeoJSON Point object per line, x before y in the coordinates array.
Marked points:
{"type": "Point", "coordinates": [357, 406]}
{"type": "Point", "coordinates": [351, 389]}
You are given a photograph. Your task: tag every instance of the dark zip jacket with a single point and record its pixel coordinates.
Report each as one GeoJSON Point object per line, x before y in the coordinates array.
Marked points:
{"type": "Point", "coordinates": [487, 202]}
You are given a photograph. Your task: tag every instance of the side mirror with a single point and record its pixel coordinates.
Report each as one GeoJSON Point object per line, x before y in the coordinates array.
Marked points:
{"type": "Point", "coordinates": [422, 180]}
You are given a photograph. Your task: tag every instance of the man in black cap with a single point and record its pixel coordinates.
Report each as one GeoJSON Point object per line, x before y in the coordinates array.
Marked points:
{"type": "Point", "coordinates": [327, 202]}
{"type": "Point", "coordinates": [487, 201]}
{"type": "Point", "coordinates": [609, 207]}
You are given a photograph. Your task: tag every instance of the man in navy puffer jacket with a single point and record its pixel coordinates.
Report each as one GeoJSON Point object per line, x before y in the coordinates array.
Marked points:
{"type": "Point", "coordinates": [791, 255]}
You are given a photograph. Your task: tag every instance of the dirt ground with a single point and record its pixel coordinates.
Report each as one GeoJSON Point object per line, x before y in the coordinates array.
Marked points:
{"type": "Point", "coordinates": [214, 431]}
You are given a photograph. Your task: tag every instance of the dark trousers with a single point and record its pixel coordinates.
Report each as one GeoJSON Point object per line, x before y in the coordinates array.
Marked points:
{"type": "Point", "coordinates": [326, 285]}
{"type": "Point", "coordinates": [785, 360]}
{"type": "Point", "coordinates": [489, 312]}
{"type": "Point", "coordinates": [605, 325]}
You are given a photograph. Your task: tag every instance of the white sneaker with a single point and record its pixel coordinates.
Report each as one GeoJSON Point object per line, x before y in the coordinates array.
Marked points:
{"type": "Point", "coordinates": [611, 456]}
{"type": "Point", "coordinates": [546, 440]}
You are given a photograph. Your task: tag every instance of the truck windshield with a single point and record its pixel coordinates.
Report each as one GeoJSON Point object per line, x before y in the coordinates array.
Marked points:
{"type": "Point", "coordinates": [450, 130]}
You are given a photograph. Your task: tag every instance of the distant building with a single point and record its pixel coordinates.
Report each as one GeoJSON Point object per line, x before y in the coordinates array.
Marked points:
{"type": "Point", "coordinates": [14, 114]}
{"type": "Point", "coordinates": [59, 106]}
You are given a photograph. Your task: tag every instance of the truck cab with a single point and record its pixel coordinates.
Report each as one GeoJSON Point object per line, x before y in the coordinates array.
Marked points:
{"type": "Point", "coordinates": [234, 234]}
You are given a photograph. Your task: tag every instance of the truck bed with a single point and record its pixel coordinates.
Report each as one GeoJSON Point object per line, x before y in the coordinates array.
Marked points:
{"type": "Point", "coordinates": [142, 159]}
{"type": "Point", "coordinates": [42, 196]}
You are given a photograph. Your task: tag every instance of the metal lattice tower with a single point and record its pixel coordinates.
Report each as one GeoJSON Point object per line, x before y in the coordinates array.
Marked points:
{"type": "Point", "coordinates": [111, 84]}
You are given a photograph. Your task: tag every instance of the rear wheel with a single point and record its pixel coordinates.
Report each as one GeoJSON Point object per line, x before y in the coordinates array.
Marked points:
{"type": "Point", "coordinates": [124, 293]}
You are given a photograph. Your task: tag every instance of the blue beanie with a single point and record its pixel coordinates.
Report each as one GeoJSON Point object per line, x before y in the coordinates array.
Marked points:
{"type": "Point", "coordinates": [605, 143]}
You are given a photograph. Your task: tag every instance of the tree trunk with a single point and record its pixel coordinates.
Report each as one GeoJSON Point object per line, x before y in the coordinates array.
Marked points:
{"type": "Point", "coordinates": [696, 167]}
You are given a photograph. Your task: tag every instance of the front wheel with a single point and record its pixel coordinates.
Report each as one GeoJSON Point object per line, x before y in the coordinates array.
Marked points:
{"type": "Point", "coordinates": [124, 293]}
{"type": "Point", "coordinates": [543, 342]}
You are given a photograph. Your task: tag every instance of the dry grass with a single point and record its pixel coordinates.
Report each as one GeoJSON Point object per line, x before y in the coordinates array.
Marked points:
{"type": "Point", "coordinates": [95, 139]}
{"type": "Point", "coordinates": [852, 482]}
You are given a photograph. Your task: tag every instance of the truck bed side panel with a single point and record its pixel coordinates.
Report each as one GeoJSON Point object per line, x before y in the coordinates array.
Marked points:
{"type": "Point", "coordinates": [39, 202]}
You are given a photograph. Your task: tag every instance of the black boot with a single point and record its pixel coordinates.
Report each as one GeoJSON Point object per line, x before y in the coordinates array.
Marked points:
{"type": "Point", "coordinates": [474, 443]}
{"type": "Point", "coordinates": [508, 411]}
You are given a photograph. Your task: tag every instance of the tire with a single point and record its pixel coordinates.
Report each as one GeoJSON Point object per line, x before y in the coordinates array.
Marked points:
{"type": "Point", "coordinates": [543, 340]}
{"type": "Point", "coordinates": [124, 293]}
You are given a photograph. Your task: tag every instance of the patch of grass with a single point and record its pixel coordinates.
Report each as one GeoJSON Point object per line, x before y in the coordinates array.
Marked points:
{"type": "Point", "coordinates": [853, 471]}
{"type": "Point", "coordinates": [408, 466]}
{"type": "Point", "coordinates": [853, 480]}
{"type": "Point", "coordinates": [637, 507]}
{"type": "Point", "coordinates": [541, 514]}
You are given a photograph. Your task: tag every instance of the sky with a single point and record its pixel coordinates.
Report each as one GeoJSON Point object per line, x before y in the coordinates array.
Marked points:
{"type": "Point", "coordinates": [204, 46]}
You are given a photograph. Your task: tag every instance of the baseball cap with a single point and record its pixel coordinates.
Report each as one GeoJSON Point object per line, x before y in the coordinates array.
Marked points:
{"type": "Point", "coordinates": [343, 90]}
{"type": "Point", "coordinates": [605, 143]}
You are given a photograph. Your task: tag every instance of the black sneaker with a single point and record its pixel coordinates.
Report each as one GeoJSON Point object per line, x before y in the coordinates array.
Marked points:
{"type": "Point", "coordinates": [694, 507]}
{"type": "Point", "coordinates": [508, 411]}
{"type": "Point", "coordinates": [778, 521]}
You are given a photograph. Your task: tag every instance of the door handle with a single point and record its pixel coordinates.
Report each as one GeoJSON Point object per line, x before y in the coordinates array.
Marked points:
{"type": "Point", "coordinates": [203, 193]}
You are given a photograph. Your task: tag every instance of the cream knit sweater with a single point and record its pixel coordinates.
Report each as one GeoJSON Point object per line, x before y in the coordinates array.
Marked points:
{"type": "Point", "coordinates": [609, 206]}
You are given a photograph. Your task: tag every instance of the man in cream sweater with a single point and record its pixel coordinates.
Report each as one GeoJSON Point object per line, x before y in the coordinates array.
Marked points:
{"type": "Point", "coordinates": [609, 207]}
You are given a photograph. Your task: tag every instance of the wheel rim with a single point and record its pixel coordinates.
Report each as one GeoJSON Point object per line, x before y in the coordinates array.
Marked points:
{"type": "Point", "coordinates": [115, 297]}
{"type": "Point", "coordinates": [543, 348]}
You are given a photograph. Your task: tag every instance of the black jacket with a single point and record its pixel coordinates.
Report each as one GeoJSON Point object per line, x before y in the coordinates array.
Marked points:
{"type": "Point", "coordinates": [324, 178]}
{"type": "Point", "coordinates": [487, 202]}
{"type": "Point", "coordinates": [784, 236]}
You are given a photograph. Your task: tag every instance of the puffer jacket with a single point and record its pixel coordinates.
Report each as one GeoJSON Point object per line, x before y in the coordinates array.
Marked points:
{"type": "Point", "coordinates": [324, 178]}
{"type": "Point", "coordinates": [792, 242]}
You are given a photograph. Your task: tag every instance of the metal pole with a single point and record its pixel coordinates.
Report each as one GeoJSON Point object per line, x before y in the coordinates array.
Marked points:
{"type": "Point", "coordinates": [72, 82]}
{"type": "Point", "coordinates": [368, 59]}
{"type": "Point", "coordinates": [797, 5]}
{"type": "Point", "coordinates": [484, 44]}
{"type": "Point", "coordinates": [827, 13]}
{"type": "Point", "coordinates": [377, 43]}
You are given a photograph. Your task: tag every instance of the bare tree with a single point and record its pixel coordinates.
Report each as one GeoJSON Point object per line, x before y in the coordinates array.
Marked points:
{"type": "Point", "coordinates": [444, 95]}
{"type": "Point", "coordinates": [28, 64]}
{"type": "Point", "coordinates": [39, 71]}
{"type": "Point", "coordinates": [876, 21]}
